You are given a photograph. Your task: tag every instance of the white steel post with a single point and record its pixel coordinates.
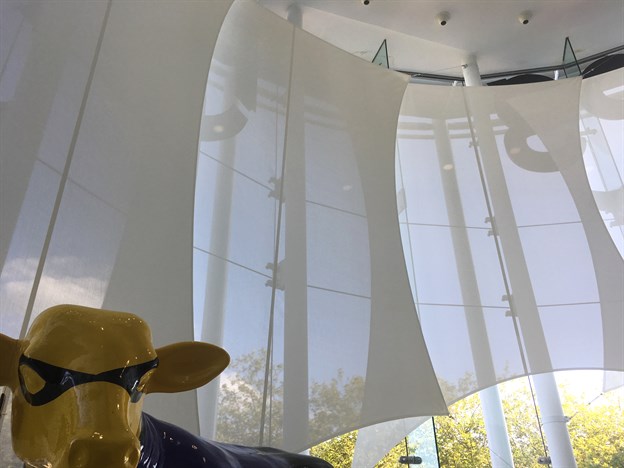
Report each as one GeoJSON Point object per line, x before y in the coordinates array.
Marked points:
{"type": "Point", "coordinates": [493, 415]}
{"type": "Point", "coordinates": [553, 420]}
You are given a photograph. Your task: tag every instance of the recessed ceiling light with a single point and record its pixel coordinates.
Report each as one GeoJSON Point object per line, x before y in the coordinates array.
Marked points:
{"type": "Point", "coordinates": [525, 17]}
{"type": "Point", "coordinates": [218, 128]}
{"type": "Point", "coordinates": [448, 167]}
{"type": "Point", "coordinates": [443, 18]}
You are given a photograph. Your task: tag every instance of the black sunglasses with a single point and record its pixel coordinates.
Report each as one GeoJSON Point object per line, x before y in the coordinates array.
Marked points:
{"type": "Point", "coordinates": [58, 379]}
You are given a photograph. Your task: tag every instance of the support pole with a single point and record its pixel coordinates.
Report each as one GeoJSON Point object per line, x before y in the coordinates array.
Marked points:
{"type": "Point", "coordinates": [554, 423]}
{"type": "Point", "coordinates": [493, 415]}
{"type": "Point", "coordinates": [496, 428]}
{"type": "Point", "coordinates": [523, 299]}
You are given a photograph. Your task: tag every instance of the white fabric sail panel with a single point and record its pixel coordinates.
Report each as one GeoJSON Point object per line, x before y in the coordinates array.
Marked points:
{"type": "Point", "coordinates": [374, 442]}
{"type": "Point", "coordinates": [46, 55]}
{"type": "Point", "coordinates": [457, 280]}
{"type": "Point", "coordinates": [564, 272]}
{"type": "Point", "coordinates": [46, 49]}
{"type": "Point", "coordinates": [343, 319]}
{"type": "Point", "coordinates": [236, 212]}
{"type": "Point", "coordinates": [602, 131]}
{"type": "Point", "coordinates": [358, 126]}
{"type": "Point", "coordinates": [148, 97]}
{"type": "Point", "coordinates": [449, 249]}
{"type": "Point", "coordinates": [576, 273]}
{"type": "Point", "coordinates": [121, 237]}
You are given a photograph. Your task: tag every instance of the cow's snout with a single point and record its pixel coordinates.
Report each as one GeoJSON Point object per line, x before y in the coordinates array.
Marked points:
{"type": "Point", "coordinates": [93, 452]}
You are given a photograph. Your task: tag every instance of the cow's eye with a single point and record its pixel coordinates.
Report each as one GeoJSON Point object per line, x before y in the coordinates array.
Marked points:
{"type": "Point", "coordinates": [33, 381]}
{"type": "Point", "coordinates": [144, 379]}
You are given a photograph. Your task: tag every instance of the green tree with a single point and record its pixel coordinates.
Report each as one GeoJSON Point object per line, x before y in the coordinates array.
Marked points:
{"type": "Point", "coordinates": [240, 401]}
{"type": "Point", "coordinates": [391, 459]}
{"type": "Point", "coordinates": [461, 436]}
{"type": "Point", "coordinates": [337, 451]}
{"type": "Point", "coordinates": [333, 404]}
{"type": "Point", "coordinates": [522, 423]}
{"type": "Point", "coordinates": [597, 429]}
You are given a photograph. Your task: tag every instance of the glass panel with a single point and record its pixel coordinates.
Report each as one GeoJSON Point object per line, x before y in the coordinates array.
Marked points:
{"type": "Point", "coordinates": [381, 57]}
{"type": "Point", "coordinates": [570, 65]}
{"type": "Point", "coordinates": [422, 443]}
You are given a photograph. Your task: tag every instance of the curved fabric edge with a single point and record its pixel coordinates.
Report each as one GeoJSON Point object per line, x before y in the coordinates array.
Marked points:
{"type": "Point", "coordinates": [338, 172]}
{"type": "Point", "coordinates": [140, 127]}
{"type": "Point", "coordinates": [395, 332]}
{"type": "Point", "coordinates": [606, 266]}
{"type": "Point", "coordinates": [118, 140]}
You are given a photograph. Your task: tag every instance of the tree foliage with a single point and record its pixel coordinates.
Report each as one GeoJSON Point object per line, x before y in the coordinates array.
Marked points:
{"type": "Point", "coordinates": [332, 404]}
{"type": "Point", "coordinates": [596, 429]}
{"type": "Point", "coordinates": [337, 451]}
{"type": "Point", "coordinates": [461, 436]}
{"type": "Point", "coordinates": [240, 401]}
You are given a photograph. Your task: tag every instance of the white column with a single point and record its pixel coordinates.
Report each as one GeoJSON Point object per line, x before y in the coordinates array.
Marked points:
{"type": "Point", "coordinates": [495, 427]}
{"type": "Point", "coordinates": [553, 421]}
{"type": "Point", "coordinates": [493, 415]}
{"type": "Point", "coordinates": [470, 70]}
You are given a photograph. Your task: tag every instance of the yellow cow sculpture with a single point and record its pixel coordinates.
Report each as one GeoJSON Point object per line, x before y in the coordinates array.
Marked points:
{"type": "Point", "coordinates": [78, 380]}
{"type": "Point", "coordinates": [54, 421]}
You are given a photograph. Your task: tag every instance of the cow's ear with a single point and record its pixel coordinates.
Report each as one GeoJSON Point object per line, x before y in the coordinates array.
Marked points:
{"type": "Point", "coordinates": [9, 355]}
{"type": "Point", "coordinates": [185, 366]}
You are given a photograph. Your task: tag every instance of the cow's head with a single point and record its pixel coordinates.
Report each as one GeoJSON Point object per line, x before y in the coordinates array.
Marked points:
{"type": "Point", "coordinates": [78, 379]}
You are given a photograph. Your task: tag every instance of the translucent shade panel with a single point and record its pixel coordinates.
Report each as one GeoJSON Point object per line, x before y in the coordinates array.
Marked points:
{"type": "Point", "coordinates": [47, 53]}
{"type": "Point", "coordinates": [564, 261]}
{"type": "Point", "coordinates": [368, 114]}
{"type": "Point", "coordinates": [602, 131]}
{"type": "Point", "coordinates": [236, 223]}
{"type": "Point", "coordinates": [375, 441]}
{"type": "Point", "coordinates": [513, 264]}
{"type": "Point", "coordinates": [101, 103]}
{"type": "Point", "coordinates": [297, 190]}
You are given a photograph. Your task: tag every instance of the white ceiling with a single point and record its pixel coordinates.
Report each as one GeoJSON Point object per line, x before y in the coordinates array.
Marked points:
{"type": "Point", "coordinates": [488, 29]}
